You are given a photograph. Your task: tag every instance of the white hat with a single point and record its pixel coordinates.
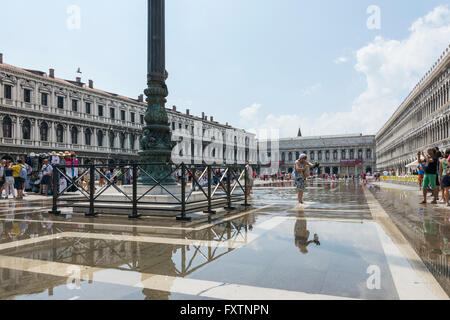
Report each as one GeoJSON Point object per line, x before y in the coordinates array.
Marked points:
{"type": "Point", "coordinates": [303, 156]}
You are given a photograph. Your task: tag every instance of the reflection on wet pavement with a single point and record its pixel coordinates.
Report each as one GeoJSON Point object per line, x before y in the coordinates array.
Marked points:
{"type": "Point", "coordinates": [275, 250]}
{"type": "Point", "coordinates": [427, 229]}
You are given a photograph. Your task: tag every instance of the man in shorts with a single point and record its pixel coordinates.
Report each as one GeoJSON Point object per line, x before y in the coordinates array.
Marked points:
{"type": "Point", "coordinates": [429, 179]}
{"type": "Point", "coordinates": [47, 171]}
{"type": "Point", "coordinates": [301, 175]}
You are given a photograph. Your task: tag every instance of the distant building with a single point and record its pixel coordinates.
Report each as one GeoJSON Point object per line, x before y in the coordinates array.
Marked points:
{"type": "Point", "coordinates": [421, 121]}
{"type": "Point", "coordinates": [349, 154]}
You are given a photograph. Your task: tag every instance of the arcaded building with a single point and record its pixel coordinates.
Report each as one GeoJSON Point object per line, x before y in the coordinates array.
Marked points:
{"type": "Point", "coordinates": [40, 113]}
{"type": "Point", "coordinates": [420, 122]}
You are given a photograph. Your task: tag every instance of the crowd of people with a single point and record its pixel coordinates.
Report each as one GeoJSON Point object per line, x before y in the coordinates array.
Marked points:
{"type": "Point", "coordinates": [434, 174]}
{"type": "Point", "coordinates": [34, 173]}
{"type": "Point", "coordinates": [291, 176]}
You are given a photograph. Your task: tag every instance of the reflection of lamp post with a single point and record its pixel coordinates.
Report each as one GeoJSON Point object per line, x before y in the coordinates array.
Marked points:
{"type": "Point", "coordinates": [156, 143]}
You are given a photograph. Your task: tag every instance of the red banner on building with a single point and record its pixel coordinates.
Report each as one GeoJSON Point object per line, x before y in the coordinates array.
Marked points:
{"type": "Point", "coordinates": [351, 162]}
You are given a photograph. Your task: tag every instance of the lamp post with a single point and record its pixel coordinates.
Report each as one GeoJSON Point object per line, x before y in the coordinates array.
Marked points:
{"type": "Point", "coordinates": [156, 143]}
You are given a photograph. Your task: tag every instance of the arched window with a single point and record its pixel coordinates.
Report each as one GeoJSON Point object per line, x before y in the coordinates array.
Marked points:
{"type": "Point", "coordinates": [352, 154]}
{"type": "Point", "coordinates": [360, 154]}
{"type": "Point", "coordinates": [60, 133]}
{"type": "Point", "coordinates": [7, 127]}
{"type": "Point", "coordinates": [343, 154]}
{"type": "Point", "coordinates": [132, 141]}
{"type": "Point", "coordinates": [111, 139]}
{"type": "Point", "coordinates": [74, 135]}
{"type": "Point", "coordinates": [100, 138]}
{"type": "Point", "coordinates": [319, 156]}
{"type": "Point", "coordinates": [26, 129]}
{"type": "Point", "coordinates": [122, 140]}
{"type": "Point", "coordinates": [297, 155]}
{"type": "Point", "coordinates": [335, 155]}
{"type": "Point", "coordinates": [327, 155]}
{"type": "Point", "coordinates": [44, 131]}
{"type": "Point", "coordinates": [311, 155]}
{"type": "Point", "coordinates": [87, 136]}
{"type": "Point", "coordinates": [369, 154]}
{"type": "Point", "coordinates": [290, 156]}
{"type": "Point", "coordinates": [283, 156]}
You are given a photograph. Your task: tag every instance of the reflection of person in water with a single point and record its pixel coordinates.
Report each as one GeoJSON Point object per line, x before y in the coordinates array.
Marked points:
{"type": "Point", "coordinates": [302, 234]}
{"type": "Point", "coordinates": [432, 237]}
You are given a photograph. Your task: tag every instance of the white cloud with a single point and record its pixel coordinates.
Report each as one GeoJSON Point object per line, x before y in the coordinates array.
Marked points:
{"type": "Point", "coordinates": [309, 91]}
{"type": "Point", "coordinates": [390, 67]}
{"type": "Point", "coordinates": [250, 113]}
{"type": "Point", "coordinates": [340, 60]}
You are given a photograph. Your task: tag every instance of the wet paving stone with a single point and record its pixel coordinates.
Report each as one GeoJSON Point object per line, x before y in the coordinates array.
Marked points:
{"type": "Point", "coordinates": [323, 249]}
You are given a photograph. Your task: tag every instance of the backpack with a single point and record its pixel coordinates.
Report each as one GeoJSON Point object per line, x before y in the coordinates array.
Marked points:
{"type": "Point", "coordinates": [23, 172]}
{"type": "Point", "coordinates": [447, 169]}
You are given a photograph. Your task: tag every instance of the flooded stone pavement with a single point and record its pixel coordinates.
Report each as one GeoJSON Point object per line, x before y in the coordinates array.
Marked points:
{"type": "Point", "coordinates": [348, 241]}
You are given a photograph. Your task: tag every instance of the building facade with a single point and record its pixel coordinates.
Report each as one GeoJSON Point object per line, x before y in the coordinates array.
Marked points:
{"type": "Point", "coordinates": [348, 155]}
{"type": "Point", "coordinates": [421, 121]}
{"type": "Point", "coordinates": [40, 113]}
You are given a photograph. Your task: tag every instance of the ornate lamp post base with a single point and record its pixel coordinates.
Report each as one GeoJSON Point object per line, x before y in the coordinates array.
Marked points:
{"type": "Point", "coordinates": [156, 142]}
{"type": "Point", "coordinates": [160, 172]}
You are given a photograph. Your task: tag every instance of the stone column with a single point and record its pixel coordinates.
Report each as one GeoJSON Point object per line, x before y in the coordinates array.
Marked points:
{"type": "Point", "coordinates": [157, 141]}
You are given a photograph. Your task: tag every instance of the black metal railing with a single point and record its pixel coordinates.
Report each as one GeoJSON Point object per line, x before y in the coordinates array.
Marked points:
{"type": "Point", "coordinates": [216, 186]}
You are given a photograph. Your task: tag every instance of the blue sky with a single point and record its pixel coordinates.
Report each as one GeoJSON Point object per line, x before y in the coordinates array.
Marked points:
{"type": "Point", "coordinates": [256, 64]}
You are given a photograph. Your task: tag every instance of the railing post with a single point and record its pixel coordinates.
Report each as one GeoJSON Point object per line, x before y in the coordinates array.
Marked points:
{"type": "Point", "coordinates": [91, 212]}
{"type": "Point", "coordinates": [210, 211]}
{"type": "Point", "coordinates": [183, 194]}
{"type": "Point", "coordinates": [55, 186]}
{"type": "Point", "coordinates": [245, 187]}
{"type": "Point", "coordinates": [134, 213]}
{"type": "Point", "coordinates": [229, 207]}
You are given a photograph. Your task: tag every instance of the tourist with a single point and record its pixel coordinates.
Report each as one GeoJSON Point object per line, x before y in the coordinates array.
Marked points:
{"type": "Point", "coordinates": [249, 179]}
{"type": "Point", "coordinates": [19, 174]}
{"type": "Point", "coordinates": [55, 159]}
{"type": "Point", "coordinates": [301, 175]}
{"type": "Point", "coordinates": [46, 180]}
{"type": "Point", "coordinates": [438, 173]}
{"type": "Point", "coordinates": [9, 180]}
{"type": "Point", "coordinates": [429, 179]}
{"type": "Point", "coordinates": [101, 179]}
{"type": "Point", "coordinates": [420, 170]}
{"type": "Point", "coordinates": [68, 164]}
{"type": "Point", "coordinates": [2, 176]}
{"type": "Point", "coordinates": [445, 174]}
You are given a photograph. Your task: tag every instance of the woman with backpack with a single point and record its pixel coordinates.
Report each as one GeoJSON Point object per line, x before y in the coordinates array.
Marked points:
{"type": "Point", "coordinates": [20, 174]}
{"type": "Point", "coordinates": [445, 174]}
